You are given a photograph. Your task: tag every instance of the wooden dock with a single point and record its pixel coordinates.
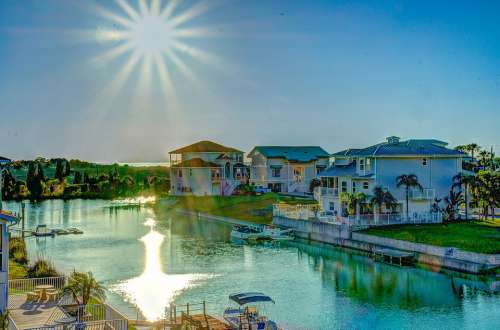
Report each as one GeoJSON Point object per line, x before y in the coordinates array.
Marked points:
{"type": "Point", "coordinates": [394, 257]}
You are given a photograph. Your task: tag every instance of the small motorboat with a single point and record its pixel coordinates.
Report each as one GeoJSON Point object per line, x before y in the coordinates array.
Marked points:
{"type": "Point", "coordinates": [73, 230]}
{"type": "Point", "coordinates": [43, 231]}
{"type": "Point", "coordinates": [61, 231]}
{"type": "Point", "coordinates": [246, 232]}
{"type": "Point", "coordinates": [277, 234]}
{"type": "Point", "coordinates": [248, 317]}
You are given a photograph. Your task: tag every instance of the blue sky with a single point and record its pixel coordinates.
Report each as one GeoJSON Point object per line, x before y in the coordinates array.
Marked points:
{"type": "Point", "coordinates": [330, 73]}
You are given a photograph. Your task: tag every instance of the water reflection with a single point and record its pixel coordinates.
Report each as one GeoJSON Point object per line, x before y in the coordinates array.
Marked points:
{"type": "Point", "coordinates": [358, 276]}
{"type": "Point", "coordinates": [153, 289]}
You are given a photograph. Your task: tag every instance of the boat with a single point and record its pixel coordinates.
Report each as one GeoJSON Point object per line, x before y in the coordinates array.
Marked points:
{"type": "Point", "coordinates": [60, 231]}
{"type": "Point", "coordinates": [42, 231]}
{"type": "Point", "coordinates": [73, 230]}
{"type": "Point", "coordinates": [260, 233]}
{"type": "Point", "coordinates": [248, 317]}
{"type": "Point", "coordinates": [244, 232]}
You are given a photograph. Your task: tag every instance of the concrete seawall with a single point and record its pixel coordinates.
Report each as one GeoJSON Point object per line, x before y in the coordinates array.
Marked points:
{"type": "Point", "coordinates": [342, 235]}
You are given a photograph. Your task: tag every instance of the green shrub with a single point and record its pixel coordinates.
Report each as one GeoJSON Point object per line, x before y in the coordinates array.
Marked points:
{"type": "Point", "coordinates": [17, 250]}
{"type": "Point", "coordinates": [42, 268]}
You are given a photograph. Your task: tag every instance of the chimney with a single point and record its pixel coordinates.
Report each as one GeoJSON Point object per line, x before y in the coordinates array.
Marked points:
{"type": "Point", "coordinates": [393, 139]}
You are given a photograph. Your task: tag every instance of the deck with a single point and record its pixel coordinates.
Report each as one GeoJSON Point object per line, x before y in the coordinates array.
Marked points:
{"type": "Point", "coordinates": [28, 315]}
{"type": "Point", "coordinates": [395, 257]}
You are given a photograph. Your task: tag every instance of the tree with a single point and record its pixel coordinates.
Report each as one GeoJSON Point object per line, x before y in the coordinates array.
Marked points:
{"type": "Point", "coordinates": [34, 180]}
{"type": "Point", "coordinates": [353, 201]}
{"type": "Point", "coordinates": [472, 148]}
{"type": "Point", "coordinates": [83, 286]}
{"type": "Point", "coordinates": [59, 174]}
{"type": "Point", "coordinates": [314, 183]}
{"type": "Point", "coordinates": [67, 171]}
{"type": "Point", "coordinates": [452, 201]}
{"type": "Point", "coordinates": [466, 181]}
{"type": "Point", "coordinates": [408, 181]}
{"type": "Point", "coordinates": [77, 178]}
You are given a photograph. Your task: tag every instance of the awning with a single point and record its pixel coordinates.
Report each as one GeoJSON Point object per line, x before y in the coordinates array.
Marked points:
{"type": "Point", "coordinates": [249, 297]}
{"type": "Point", "coordinates": [276, 166]}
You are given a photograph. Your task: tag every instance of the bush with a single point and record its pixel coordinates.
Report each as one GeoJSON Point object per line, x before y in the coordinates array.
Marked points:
{"type": "Point", "coordinates": [17, 250]}
{"type": "Point", "coordinates": [42, 268]}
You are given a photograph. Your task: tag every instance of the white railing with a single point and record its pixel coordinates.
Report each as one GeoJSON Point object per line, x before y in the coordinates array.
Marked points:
{"type": "Point", "coordinates": [424, 194]}
{"type": "Point", "coordinates": [324, 191]}
{"type": "Point", "coordinates": [298, 212]}
{"type": "Point", "coordinates": [29, 284]}
{"type": "Point", "coordinates": [92, 325]}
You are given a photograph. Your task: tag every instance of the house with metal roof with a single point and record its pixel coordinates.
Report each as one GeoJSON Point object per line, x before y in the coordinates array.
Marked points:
{"type": "Point", "coordinates": [287, 169]}
{"type": "Point", "coordinates": [361, 170]}
{"type": "Point", "coordinates": [206, 168]}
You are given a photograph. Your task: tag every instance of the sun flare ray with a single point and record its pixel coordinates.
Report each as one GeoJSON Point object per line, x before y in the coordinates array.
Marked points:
{"type": "Point", "coordinates": [149, 34]}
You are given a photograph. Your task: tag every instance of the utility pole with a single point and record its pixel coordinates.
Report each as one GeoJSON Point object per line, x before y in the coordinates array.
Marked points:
{"type": "Point", "coordinates": [22, 219]}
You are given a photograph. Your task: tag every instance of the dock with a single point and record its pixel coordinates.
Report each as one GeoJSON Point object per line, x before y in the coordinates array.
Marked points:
{"type": "Point", "coordinates": [394, 257]}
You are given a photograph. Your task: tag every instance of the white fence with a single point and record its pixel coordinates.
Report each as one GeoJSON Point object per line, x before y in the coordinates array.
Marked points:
{"type": "Point", "coordinates": [92, 325]}
{"type": "Point", "coordinates": [311, 212]}
{"type": "Point", "coordinates": [29, 284]}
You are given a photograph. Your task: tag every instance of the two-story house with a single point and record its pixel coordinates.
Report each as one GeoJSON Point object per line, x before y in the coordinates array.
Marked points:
{"type": "Point", "coordinates": [206, 168]}
{"type": "Point", "coordinates": [5, 220]}
{"type": "Point", "coordinates": [286, 168]}
{"type": "Point", "coordinates": [360, 170]}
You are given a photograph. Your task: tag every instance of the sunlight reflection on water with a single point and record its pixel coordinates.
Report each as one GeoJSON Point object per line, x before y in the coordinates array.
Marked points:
{"type": "Point", "coordinates": [153, 290]}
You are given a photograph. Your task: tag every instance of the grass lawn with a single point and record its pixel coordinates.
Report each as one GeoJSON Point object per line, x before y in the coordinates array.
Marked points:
{"type": "Point", "coordinates": [258, 209]}
{"type": "Point", "coordinates": [478, 236]}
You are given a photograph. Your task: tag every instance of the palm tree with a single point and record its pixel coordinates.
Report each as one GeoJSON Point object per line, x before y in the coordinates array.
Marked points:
{"type": "Point", "coordinates": [452, 201]}
{"type": "Point", "coordinates": [378, 198]}
{"type": "Point", "coordinates": [390, 201]}
{"type": "Point", "coordinates": [352, 201]}
{"type": "Point", "coordinates": [408, 181]}
{"type": "Point", "coordinates": [468, 181]}
{"type": "Point", "coordinates": [83, 286]}
{"type": "Point", "coordinates": [472, 148]}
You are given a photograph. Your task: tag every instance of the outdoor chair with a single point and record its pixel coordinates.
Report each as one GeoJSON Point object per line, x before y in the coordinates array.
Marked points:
{"type": "Point", "coordinates": [32, 297]}
{"type": "Point", "coordinates": [52, 296]}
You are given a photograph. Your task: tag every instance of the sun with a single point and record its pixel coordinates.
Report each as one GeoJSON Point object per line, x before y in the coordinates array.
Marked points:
{"type": "Point", "coordinates": [152, 35]}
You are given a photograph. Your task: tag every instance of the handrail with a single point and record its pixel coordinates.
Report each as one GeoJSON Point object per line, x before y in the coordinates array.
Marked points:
{"type": "Point", "coordinates": [29, 284]}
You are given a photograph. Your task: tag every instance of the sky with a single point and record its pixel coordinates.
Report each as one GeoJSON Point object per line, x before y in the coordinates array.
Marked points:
{"type": "Point", "coordinates": [111, 81]}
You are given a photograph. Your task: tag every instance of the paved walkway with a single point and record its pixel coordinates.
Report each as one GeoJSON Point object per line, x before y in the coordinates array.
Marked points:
{"type": "Point", "coordinates": [28, 315]}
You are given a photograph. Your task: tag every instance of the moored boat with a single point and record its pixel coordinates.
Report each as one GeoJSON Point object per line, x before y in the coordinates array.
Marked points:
{"type": "Point", "coordinates": [73, 230]}
{"type": "Point", "coordinates": [247, 316]}
{"type": "Point", "coordinates": [42, 231]}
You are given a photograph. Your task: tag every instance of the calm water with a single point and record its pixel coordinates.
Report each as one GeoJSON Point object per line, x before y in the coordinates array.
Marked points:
{"type": "Point", "coordinates": [147, 258]}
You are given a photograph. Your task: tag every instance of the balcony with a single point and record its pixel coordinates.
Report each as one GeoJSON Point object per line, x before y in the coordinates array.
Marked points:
{"type": "Point", "coordinates": [424, 194]}
{"type": "Point", "coordinates": [324, 191]}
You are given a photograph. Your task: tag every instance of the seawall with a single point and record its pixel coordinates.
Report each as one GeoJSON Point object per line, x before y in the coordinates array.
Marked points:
{"type": "Point", "coordinates": [342, 235]}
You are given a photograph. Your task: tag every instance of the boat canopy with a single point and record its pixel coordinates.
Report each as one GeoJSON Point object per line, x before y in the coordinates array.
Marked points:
{"type": "Point", "coordinates": [8, 216]}
{"type": "Point", "coordinates": [249, 297]}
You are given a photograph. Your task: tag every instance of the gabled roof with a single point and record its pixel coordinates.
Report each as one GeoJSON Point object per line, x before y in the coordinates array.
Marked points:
{"type": "Point", "coordinates": [204, 146]}
{"type": "Point", "coordinates": [292, 153]}
{"type": "Point", "coordinates": [196, 162]}
{"type": "Point", "coordinates": [412, 147]}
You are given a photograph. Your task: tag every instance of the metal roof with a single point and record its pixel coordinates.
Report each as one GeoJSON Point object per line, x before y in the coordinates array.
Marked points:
{"type": "Point", "coordinates": [412, 147]}
{"type": "Point", "coordinates": [249, 297]}
{"type": "Point", "coordinates": [302, 154]}
{"type": "Point", "coordinates": [204, 146]}
{"type": "Point", "coordinates": [4, 160]}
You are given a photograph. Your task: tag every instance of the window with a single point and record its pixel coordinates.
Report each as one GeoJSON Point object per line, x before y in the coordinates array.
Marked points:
{"type": "Point", "coordinates": [276, 172]}
{"type": "Point", "coordinates": [365, 185]}
{"type": "Point", "coordinates": [331, 206]}
{"type": "Point", "coordinates": [424, 161]}
{"type": "Point", "coordinates": [361, 164]}
{"type": "Point", "coordinates": [344, 186]}
{"type": "Point", "coordinates": [353, 187]}
{"type": "Point", "coordinates": [179, 173]}
{"type": "Point", "coordinates": [190, 172]}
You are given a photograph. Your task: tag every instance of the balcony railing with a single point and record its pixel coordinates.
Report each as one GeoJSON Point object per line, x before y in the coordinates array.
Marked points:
{"type": "Point", "coordinates": [324, 191]}
{"type": "Point", "coordinates": [424, 194]}
{"type": "Point", "coordinates": [27, 285]}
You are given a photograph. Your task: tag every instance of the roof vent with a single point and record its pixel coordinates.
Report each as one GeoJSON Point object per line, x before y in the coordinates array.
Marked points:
{"type": "Point", "coordinates": [393, 140]}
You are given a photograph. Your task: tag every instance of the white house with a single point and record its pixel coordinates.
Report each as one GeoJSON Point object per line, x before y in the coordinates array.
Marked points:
{"type": "Point", "coordinates": [286, 168]}
{"type": "Point", "coordinates": [360, 170]}
{"type": "Point", "coordinates": [206, 168]}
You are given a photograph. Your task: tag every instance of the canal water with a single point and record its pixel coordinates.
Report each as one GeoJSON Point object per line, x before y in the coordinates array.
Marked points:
{"type": "Point", "coordinates": [147, 258]}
